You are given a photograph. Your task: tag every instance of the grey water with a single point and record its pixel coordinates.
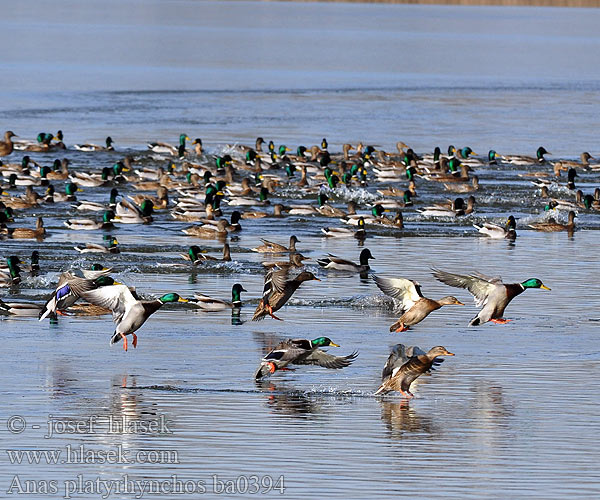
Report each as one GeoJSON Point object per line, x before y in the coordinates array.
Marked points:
{"type": "Point", "coordinates": [512, 415]}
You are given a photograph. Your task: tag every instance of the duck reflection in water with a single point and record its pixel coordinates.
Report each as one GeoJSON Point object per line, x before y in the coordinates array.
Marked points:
{"type": "Point", "coordinates": [402, 419]}
{"type": "Point", "coordinates": [289, 401]}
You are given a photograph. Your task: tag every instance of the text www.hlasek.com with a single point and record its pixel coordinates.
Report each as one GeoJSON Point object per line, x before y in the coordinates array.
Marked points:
{"type": "Point", "coordinates": [136, 488]}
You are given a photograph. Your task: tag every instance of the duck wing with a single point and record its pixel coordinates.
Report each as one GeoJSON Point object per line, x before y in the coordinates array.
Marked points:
{"type": "Point", "coordinates": [479, 285]}
{"type": "Point", "coordinates": [408, 292]}
{"type": "Point", "coordinates": [326, 360]}
{"type": "Point", "coordinates": [117, 298]}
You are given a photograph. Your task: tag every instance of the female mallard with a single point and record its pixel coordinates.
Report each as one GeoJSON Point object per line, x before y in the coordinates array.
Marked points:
{"type": "Point", "coordinates": [405, 365]}
{"type": "Point", "coordinates": [23, 233]}
{"type": "Point", "coordinates": [61, 171]}
{"type": "Point", "coordinates": [129, 313]}
{"type": "Point", "coordinates": [160, 201]}
{"type": "Point", "coordinates": [454, 208]}
{"type": "Point", "coordinates": [13, 275]}
{"type": "Point", "coordinates": [302, 352]}
{"type": "Point", "coordinates": [337, 264]}
{"type": "Point", "coordinates": [552, 225]}
{"type": "Point", "coordinates": [464, 187]}
{"type": "Point", "coordinates": [95, 147]}
{"type": "Point", "coordinates": [277, 291]}
{"type": "Point", "coordinates": [208, 231]}
{"type": "Point", "coordinates": [490, 293]}
{"type": "Point", "coordinates": [270, 247]}
{"type": "Point", "coordinates": [207, 303]}
{"type": "Point", "coordinates": [90, 224]}
{"type": "Point", "coordinates": [414, 306]}
{"type": "Point", "coordinates": [96, 248]}
{"type": "Point", "coordinates": [494, 231]}
{"type": "Point", "coordinates": [6, 146]}
{"type": "Point", "coordinates": [195, 255]}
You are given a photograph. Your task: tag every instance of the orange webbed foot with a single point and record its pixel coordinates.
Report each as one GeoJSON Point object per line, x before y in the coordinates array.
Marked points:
{"type": "Point", "coordinates": [124, 341]}
{"type": "Point", "coordinates": [500, 321]}
{"type": "Point", "coordinates": [134, 340]}
{"type": "Point", "coordinates": [402, 328]}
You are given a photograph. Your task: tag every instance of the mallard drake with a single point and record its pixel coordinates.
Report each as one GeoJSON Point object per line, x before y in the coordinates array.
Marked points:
{"type": "Point", "coordinates": [302, 352]}
{"type": "Point", "coordinates": [454, 208]}
{"type": "Point", "coordinates": [96, 271]}
{"type": "Point", "coordinates": [528, 160]}
{"type": "Point", "coordinates": [195, 255]}
{"type": "Point", "coordinates": [414, 307]}
{"type": "Point", "coordinates": [160, 201]}
{"type": "Point", "coordinates": [13, 275]}
{"type": "Point", "coordinates": [164, 148]}
{"type": "Point", "coordinates": [90, 224]}
{"type": "Point", "coordinates": [99, 207]}
{"type": "Point", "coordinates": [208, 231]}
{"type": "Point", "coordinates": [23, 233]}
{"type": "Point", "coordinates": [343, 232]}
{"type": "Point", "coordinates": [337, 264]}
{"type": "Point", "coordinates": [70, 189]}
{"type": "Point", "coordinates": [277, 290]}
{"type": "Point", "coordinates": [96, 248]}
{"type": "Point", "coordinates": [26, 309]}
{"type": "Point", "coordinates": [128, 213]}
{"type": "Point", "coordinates": [270, 247]}
{"type": "Point", "coordinates": [207, 303]}
{"type": "Point", "coordinates": [7, 146]}
{"type": "Point", "coordinates": [405, 365]}
{"type": "Point", "coordinates": [70, 289]}
{"type": "Point", "coordinates": [552, 225]}
{"type": "Point", "coordinates": [494, 231]}
{"type": "Point", "coordinates": [95, 147]}
{"type": "Point", "coordinates": [490, 293]}
{"type": "Point", "coordinates": [129, 313]}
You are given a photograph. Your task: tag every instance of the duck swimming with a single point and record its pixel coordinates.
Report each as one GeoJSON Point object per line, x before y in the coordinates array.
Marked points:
{"type": "Point", "coordinates": [270, 247]}
{"type": "Point", "coordinates": [207, 303]}
{"type": "Point", "coordinates": [551, 225]}
{"type": "Point", "coordinates": [495, 231]}
{"type": "Point", "coordinates": [338, 264]}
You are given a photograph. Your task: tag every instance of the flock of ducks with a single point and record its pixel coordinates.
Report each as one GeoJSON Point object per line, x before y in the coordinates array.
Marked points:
{"type": "Point", "coordinates": [245, 178]}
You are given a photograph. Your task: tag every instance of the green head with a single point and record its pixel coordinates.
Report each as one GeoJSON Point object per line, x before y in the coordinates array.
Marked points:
{"type": "Point", "coordinates": [12, 180]}
{"type": "Point", "coordinates": [147, 208]}
{"type": "Point", "coordinates": [35, 258]}
{"type": "Point", "coordinates": [25, 161]}
{"type": "Point", "coordinates": [300, 151]}
{"type": "Point", "coordinates": [377, 210]}
{"type": "Point", "coordinates": [511, 223]}
{"type": "Point", "coordinates": [113, 196]}
{"type": "Point", "coordinates": [106, 281]}
{"type": "Point", "coordinates": [108, 216]}
{"type": "Point", "coordinates": [193, 253]}
{"type": "Point", "coordinates": [541, 151]}
{"type": "Point", "coordinates": [534, 283]}
{"type": "Point", "coordinates": [327, 173]}
{"type": "Point", "coordinates": [333, 181]}
{"type": "Point", "coordinates": [453, 164]}
{"type": "Point", "coordinates": [171, 297]}
{"type": "Point", "coordinates": [492, 155]}
{"type": "Point", "coordinates": [451, 150]}
{"type": "Point", "coordinates": [44, 171]}
{"type": "Point", "coordinates": [56, 165]}
{"type": "Point", "coordinates": [70, 188]}
{"type": "Point", "coordinates": [264, 194]}
{"type": "Point", "coordinates": [182, 139]}
{"type": "Point", "coordinates": [117, 168]}
{"type": "Point", "coordinates": [323, 342]}
{"type": "Point", "coordinates": [436, 154]}
{"type": "Point", "coordinates": [13, 266]}
{"type": "Point", "coordinates": [112, 242]}
{"type": "Point", "coordinates": [466, 152]}
{"type": "Point", "coordinates": [207, 175]}
{"type": "Point", "coordinates": [109, 142]}
{"type": "Point", "coordinates": [322, 199]}
{"type": "Point", "coordinates": [283, 150]}
{"type": "Point", "coordinates": [97, 267]}
{"type": "Point", "coordinates": [290, 169]}
{"type": "Point", "coordinates": [347, 178]}
{"type": "Point", "coordinates": [105, 173]}
{"type": "Point", "coordinates": [236, 290]}
{"type": "Point", "coordinates": [59, 135]}
{"type": "Point", "coordinates": [221, 185]}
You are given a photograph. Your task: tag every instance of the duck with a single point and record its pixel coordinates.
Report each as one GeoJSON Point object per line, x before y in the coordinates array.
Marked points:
{"type": "Point", "coordinates": [490, 293]}
{"type": "Point", "coordinates": [207, 303]}
{"type": "Point", "coordinates": [70, 289]}
{"type": "Point", "coordinates": [93, 206]}
{"type": "Point", "coordinates": [129, 313]}
{"type": "Point", "coordinates": [344, 232]}
{"type": "Point", "coordinates": [160, 201]}
{"type": "Point", "coordinates": [23, 233]}
{"type": "Point", "coordinates": [302, 352]}
{"type": "Point", "coordinates": [13, 275]}
{"type": "Point", "coordinates": [24, 309]}
{"type": "Point", "coordinates": [585, 161]}
{"type": "Point", "coordinates": [463, 187]}
{"type": "Point", "coordinates": [7, 146]}
{"type": "Point", "coordinates": [128, 213]}
{"type": "Point", "coordinates": [270, 247]}
{"type": "Point", "coordinates": [95, 271]}
{"type": "Point", "coordinates": [277, 290]}
{"type": "Point", "coordinates": [208, 231]}
{"type": "Point", "coordinates": [95, 147]}
{"type": "Point", "coordinates": [414, 307]}
{"type": "Point", "coordinates": [278, 209]}
{"type": "Point", "coordinates": [295, 260]}
{"type": "Point", "coordinates": [195, 255]}
{"type": "Point", "coordinates": [405, 365]}
{"type": "Point", "coordinates": [91, 224]}
{"type": "Point", "coordinates": [551, 225]}
{"type": "Point", "coordinates": [70, 189]}
{"type": "Point", "coordinates": [528, 160]}
{"type": "Point", "coordinates": [164, 148]}
{"type": "Point", "coordinates": [337, 264]}
{"type": "Point", "coordinates": [232, 227]}
{"type": "Point", "coordinates": [95, 248]}
{"type": "Point", "coordinates": [60, 172]}
{"type": "Point", "coordinates": [454, 208]}
{"type": "Point", "coordinates": [494, 231]}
